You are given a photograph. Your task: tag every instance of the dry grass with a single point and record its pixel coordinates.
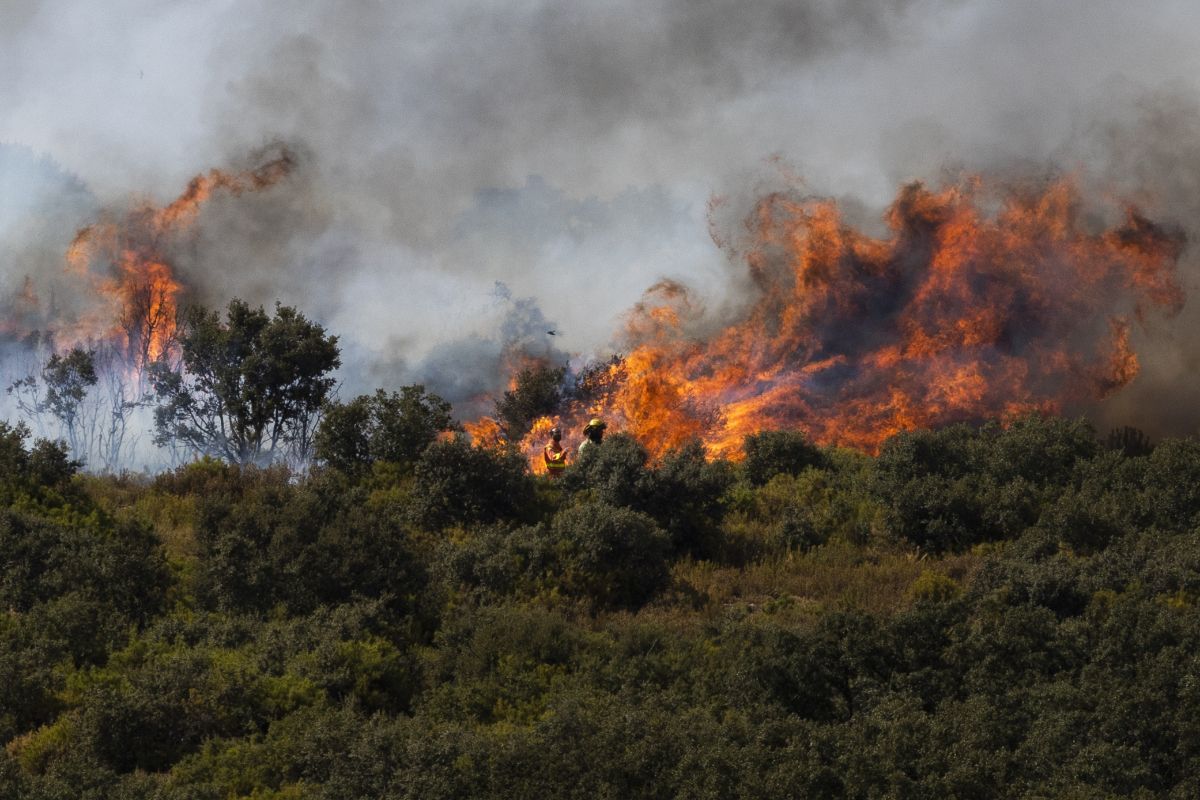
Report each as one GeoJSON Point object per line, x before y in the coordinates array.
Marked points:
{"type": "Point", "coordinates": [836, 575]}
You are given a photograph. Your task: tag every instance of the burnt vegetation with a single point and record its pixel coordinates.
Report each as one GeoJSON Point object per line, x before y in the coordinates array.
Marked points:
{"type": "Point", "coordinates": [996, 610]}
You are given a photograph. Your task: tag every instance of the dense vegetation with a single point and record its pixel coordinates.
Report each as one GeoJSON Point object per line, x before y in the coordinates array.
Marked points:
{"type": "Point", "coordinates": [976, 612]}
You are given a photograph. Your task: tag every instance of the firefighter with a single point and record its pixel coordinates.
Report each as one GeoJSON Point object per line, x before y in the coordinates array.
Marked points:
{"type": "Point", "coordinates": [593, 433]}
{"type": "Point", "coordinates": [554, 455]}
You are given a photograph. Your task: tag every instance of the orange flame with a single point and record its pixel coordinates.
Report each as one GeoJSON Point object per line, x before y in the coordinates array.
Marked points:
{"type": "Point", "coordinates": [961, 313]}
{"type": "Point", "coordinates": [135, 280]}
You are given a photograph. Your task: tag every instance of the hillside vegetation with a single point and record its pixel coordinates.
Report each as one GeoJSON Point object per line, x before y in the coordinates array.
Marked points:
{"type": "Point", "coordinates": [976, 612]}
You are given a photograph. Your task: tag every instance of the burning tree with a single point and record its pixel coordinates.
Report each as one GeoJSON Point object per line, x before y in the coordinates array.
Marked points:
{"type": "Point", "coordinates": [125, 321]}
{"type": "Point", "coordinates": [249, 388]}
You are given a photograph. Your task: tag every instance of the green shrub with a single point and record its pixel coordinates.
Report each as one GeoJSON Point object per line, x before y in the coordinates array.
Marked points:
{"type": "Point", "coordinates": [934, 587]}
{"type": "Point", "coordinates": [614, 557]}
{"type": "Point", "coordinates": [301, 546]}
{"type": "Point", "coordinates": [614, 473]}
{"type": "Point", "coordinates": [395, 427]}
{"type": "Point", "coordinates": [772, 453]}
{"type": "Point", "coordinates": [457, 483]}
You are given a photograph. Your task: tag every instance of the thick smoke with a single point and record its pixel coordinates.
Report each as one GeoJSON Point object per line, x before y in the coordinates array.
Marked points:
{"type": "Point", "coordinates": [569, 150]}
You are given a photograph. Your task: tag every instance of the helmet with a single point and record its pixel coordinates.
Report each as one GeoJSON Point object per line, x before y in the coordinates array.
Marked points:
{"type": "Point", "coordinates": [595, 423]}
{"type": "Point", "coordinates": [556, 432]}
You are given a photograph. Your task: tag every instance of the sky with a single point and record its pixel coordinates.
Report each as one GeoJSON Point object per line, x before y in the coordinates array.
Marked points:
{"type": "Point", "coordinates": [475, 172]}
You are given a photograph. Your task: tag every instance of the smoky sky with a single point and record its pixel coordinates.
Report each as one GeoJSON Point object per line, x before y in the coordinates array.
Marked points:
{"type": "Point", "coordinates": [566, 149]}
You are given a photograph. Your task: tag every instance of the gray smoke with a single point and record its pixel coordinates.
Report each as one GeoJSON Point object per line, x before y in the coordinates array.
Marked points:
{"type": "Point", "coordinates": [569, 149]}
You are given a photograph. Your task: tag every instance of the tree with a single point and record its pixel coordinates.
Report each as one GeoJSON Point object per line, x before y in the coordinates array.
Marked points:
{"type": "Point", "coordinates": [250, 387]}
{"type": "Point", "coordinates": [536, 392]}
{"type": "Point", "coordinates": [395, 427]}
{"type": "Point", "coordinates": [68, 379]}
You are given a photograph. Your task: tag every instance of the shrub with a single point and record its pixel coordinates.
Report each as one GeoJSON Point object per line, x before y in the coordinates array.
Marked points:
{"type": "Point", "coordinates": [685, 494]}
{"type": "Point", "coordinates": [395, 427]}
{"type": "Point", "coordinates": [772, 453]}
{"type": "Point", "coordinates": [457, 483]}
{"type": "Point", "coordinates": [1172, 485]}
{"type": "Point", "coordinates": [934, 587]}
{"type": "Point", "coordinates": [498, 560]}
{"type": "Point", "coordinates": [615, 557]}
{"type": "Point", "coordinates": [302, 546]}
{"type": "Point", "coordinates": [123, 568]}
{"type": "Point", "coordinates": [613, 473]}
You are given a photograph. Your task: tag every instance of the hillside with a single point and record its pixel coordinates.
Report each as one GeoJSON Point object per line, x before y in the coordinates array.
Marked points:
{"type": "Point", "coordinates": [1000, 611]}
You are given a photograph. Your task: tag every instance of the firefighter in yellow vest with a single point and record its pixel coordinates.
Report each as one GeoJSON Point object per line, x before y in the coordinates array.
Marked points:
{"type": "Point", "coordinates": [554, 455]}
{"type": "Point", "coordinates": [594, 434]}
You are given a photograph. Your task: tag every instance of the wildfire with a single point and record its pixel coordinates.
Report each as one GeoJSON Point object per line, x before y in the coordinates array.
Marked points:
{"type": "Point", "coordinates": [979, 303]}
{"type": "Point", "coordinates": [125, 262]}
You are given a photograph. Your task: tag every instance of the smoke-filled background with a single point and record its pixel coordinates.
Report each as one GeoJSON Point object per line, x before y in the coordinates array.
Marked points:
{"type": "Point", "coordinates": [471, 176]}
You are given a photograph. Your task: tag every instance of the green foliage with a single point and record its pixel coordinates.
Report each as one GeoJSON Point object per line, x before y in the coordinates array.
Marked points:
{"type": "Point", "coordinates": [395, 427]}
{"type": "Point", "coordinates": [68, 379]}
{"type": "Point", "coordinates": [37, 476]}
{"type": "Point", "coordinates": [537, 391]}
{"type": "Point", "coordinates": [251, 385]}
{"type": "Point", "coordinates": [614, 557]}
{"type": "Point", "coordinates": [948, 489]}
{"type": "Point", "coordinates": [637, 629]}
{"type": "Point", "coordinates": [686, 496]}
{"type": "Point", "coordinates": [1171, 493]}
{"type": "Point", "coordinates": [267, 541]}
{"type": "Point", "coordinates": [41, 561]}
{"type": "Point", "coordinates": [614, 473]}
{"type": "Point", "coordinates": [606, 556]}
{"type": "Point", "coordinates": [772, 453]}
{"type": "Point", "coordinates": [934, 587]}
{"type": "Point", "coordinates": [457, 483]}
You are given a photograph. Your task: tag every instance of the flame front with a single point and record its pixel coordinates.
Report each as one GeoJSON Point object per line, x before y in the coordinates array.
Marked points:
{"type": "Point", "coordinates": [961, 313]}
{"type": "Point", "coordinates": [126, 263]}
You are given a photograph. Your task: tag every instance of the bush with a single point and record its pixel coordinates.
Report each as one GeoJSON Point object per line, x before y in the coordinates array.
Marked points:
{"type": "Point", "coordinates": [685, 494]}
{"type": "Point", "coordinates": [458, 484]}
{"type": "Point", "coordinates": [497, 560]}
{"type": "Point", "coordinates": [934, 587]}
{"type": "Point", "coordinates": [614, 473]}
{"type": "Point", "coordinates": [615, 557]}
{"type": "Point", "coordinates": [609, 556]}
{"type": "Point", "coordinates": [395, 427]}
{"type": "Point", "coordinates": [1172, 485]}
{"type": "Point", "coordinates": [1043, 450]}
{"type": "Point", "coordinates": [955, 487]}
{"type": "Point", "coordinates": [40, 561]}
{"type": "Point", "coordinates": [301, 546]}
{"type": "Point", "coordinates": [772, 453]}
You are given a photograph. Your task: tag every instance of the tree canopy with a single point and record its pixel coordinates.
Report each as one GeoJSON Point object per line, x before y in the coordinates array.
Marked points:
{"type": "Point", "coordinates": [394, 427]}
{"type": "Point", "coordinates": [251, 385]}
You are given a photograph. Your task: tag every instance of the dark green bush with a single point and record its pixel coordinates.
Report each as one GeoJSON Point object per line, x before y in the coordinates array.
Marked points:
{"type": "Point", "coordinates": [613, 473]}
{"type": "Point", "coordinates": [395, 427]}
{"type": "Point", "coordinates": [772, 453]}
{"type": "Point", "coordinates": [300, 546]}
{"type": "Point", "coordinates": [614, 557]}
{"type": "Point", "coordinates": [685, 494]}
{"type": "Point", "coordinates": [122, 568]}
{"type": "Point", "coordinates": [457, 483]}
